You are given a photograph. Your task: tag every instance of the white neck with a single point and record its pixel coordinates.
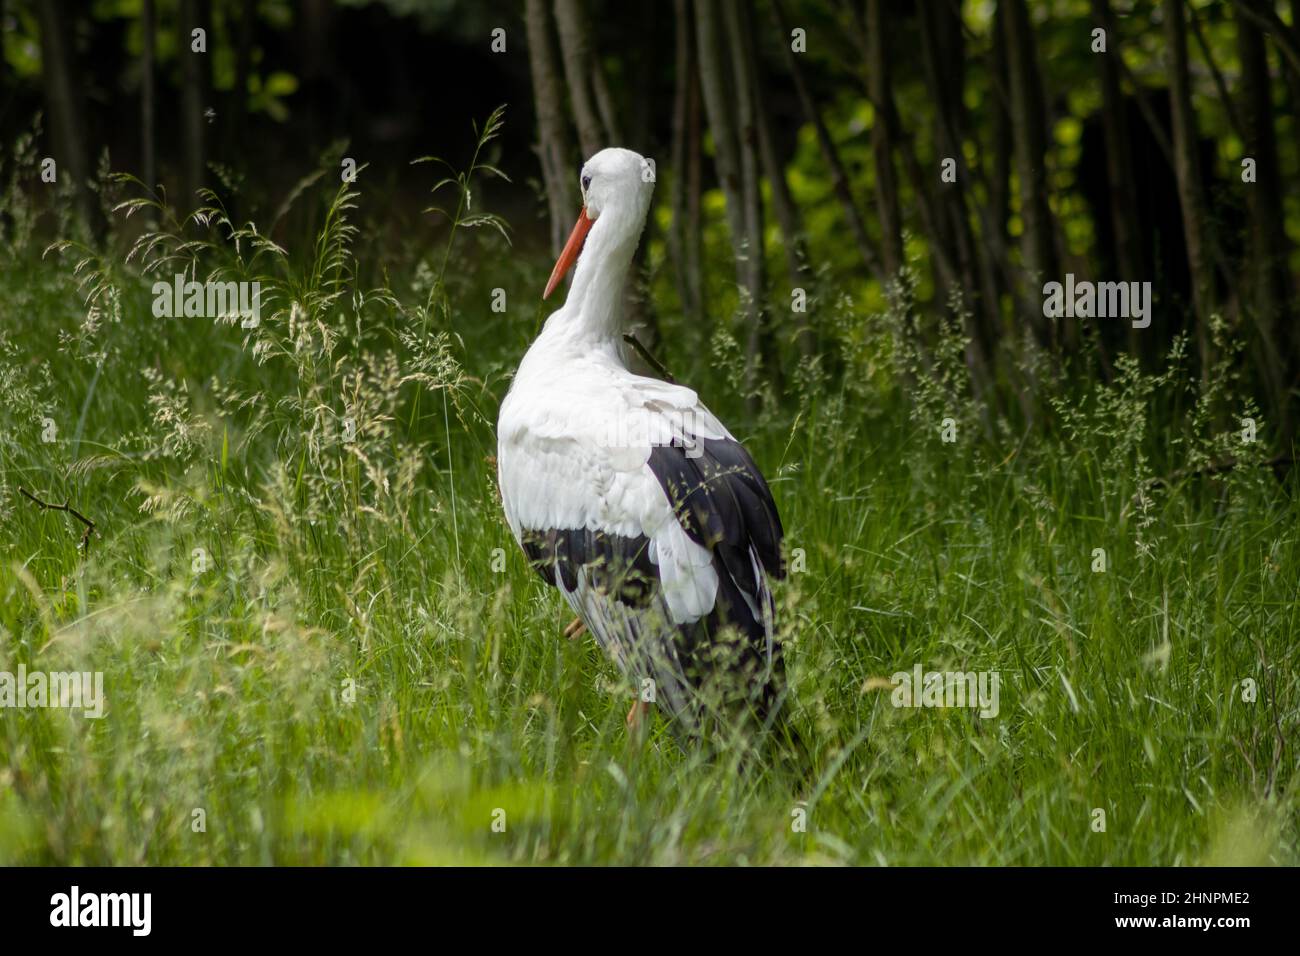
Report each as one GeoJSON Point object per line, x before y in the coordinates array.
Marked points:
{"type": "Point", "coordinates": [592, 310]}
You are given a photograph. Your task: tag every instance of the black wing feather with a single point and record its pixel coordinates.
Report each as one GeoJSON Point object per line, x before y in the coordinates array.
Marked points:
{"type": "Point", "coordinates": [724, 504]}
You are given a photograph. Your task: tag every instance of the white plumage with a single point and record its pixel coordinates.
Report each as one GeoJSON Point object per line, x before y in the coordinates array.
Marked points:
{"type": "Point", "coordinates": [625, 491]}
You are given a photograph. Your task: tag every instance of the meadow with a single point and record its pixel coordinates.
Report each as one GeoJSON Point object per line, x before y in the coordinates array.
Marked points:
{"type": "Point", "coordinates": [321, 645]}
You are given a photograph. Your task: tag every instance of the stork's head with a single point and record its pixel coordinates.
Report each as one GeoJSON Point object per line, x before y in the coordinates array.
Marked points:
{"type": "Point", "coordinates": [615, 183]}
{"type": "Point", "coordinates": [614, 177]}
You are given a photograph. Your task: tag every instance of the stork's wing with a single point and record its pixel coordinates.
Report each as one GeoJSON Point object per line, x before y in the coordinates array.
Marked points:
{"type": "Point", "coordinates": [658, 528]}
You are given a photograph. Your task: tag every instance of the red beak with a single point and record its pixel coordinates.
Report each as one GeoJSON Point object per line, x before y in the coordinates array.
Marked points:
{"type": "Point", "coordinates": [571, 249]}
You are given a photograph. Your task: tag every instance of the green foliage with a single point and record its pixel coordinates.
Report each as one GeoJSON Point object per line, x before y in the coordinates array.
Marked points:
{"type": "Point", "coordinates": [349, 679]}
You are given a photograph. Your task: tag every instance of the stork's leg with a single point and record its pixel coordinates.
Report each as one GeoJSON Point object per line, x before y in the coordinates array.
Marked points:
{"type": "Point", "coordinates": [575, 629]}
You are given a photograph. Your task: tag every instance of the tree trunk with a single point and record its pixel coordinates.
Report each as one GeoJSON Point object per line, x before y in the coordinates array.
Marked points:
{"type": "Point", "coordinates": [1000, 183]}
{"type": "Point", "coordinates": [882, 142]}
{"type": "Point", "coordinates": [316, 65]}
{"type": "Point", "coordinates": [553, 146]}
{"type": "Point", "coordinates": [243, 67]}
{"type": "Point", "coordinates": [148, 146]}
{"type": "Point", "coordinates": [1127, 253]}
{"type": "Point", "coordinates": [922, 184]}
{"type": "Point", "coordinates": [759, 348]}
{"type": "Point", "coordinates": [1269, 254]}
{"type": "Point", "coordinates": [1293, 87]}
{"type": "Point", "coordinates": [6, 78]}
{"type": "Point", "coordinates": [787, 214]}
{"type": "Point", "coordinates": [995, 219]}
{"type": "Point", "coordinates": [1028, 123]}
{"type": "Point", "coordinates": [1207, 54]}
{"type": "Point", "coordinates": [613, 134]}
{"type": "Point", "coordinates": [194, 73]}
{"type": "Point", "coordinates": [1188, 173]}
{"type": "Point", "coordinates": [642, 318]}
{"type": "Point", "coordinates": [64, 102]}
{"type": "Point", "coordinates": [944, 54]}
{"type": "Point", "coordinates": [719, 102]}
{"type": "Point", "coordinates": [830, 155]}
{"type": "Point", "coordinates": [695, 191]}
{"type": "Point", "coordinates": [685, 102]}
{"type": "Point", "coordinates": [639, 102]}
{"type": "Point", "coordinates": [576, 53]}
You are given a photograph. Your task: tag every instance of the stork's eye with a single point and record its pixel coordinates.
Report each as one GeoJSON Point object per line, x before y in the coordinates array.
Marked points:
{"type": "Point", "coordinates": [586, 183]}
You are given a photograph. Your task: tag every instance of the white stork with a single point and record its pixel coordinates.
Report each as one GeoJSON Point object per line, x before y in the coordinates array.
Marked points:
{"type": "Point", "coordinates": [628, 495]}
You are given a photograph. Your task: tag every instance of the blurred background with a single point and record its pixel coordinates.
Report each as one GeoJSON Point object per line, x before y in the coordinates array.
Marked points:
{"type": "Point", "coordinates": [319, 640]}
{"type": "Point", "coordinates": [1101, 138]}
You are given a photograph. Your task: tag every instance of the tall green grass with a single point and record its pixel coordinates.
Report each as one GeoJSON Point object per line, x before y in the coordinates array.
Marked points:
{"type": "Point", "coordinates": [365, 671]}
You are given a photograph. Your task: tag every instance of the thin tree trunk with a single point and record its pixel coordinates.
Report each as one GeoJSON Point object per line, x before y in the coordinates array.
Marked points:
{"type": "Point", "coordinates": [882, 142]}
{"type": "Point", "coordinates": [995, 219]}
{"type": "Point", "coordinates": [640, 310]}
{"type": "Point", "coordinates": [1291, 77]}
{"type": "Point", "coordinates": [148, 147]}
{"type": "Point", "coordinates": [1270, 252]}
{"type": "Point", "coordinates": [718, 108]}
{"type": "Point", "coordinates": [1229, 108]}
{"type": "Point", "coordinates": [695, 192]}
{"type": "Point", "coordinates": [1119, 158]}
{"type": "Point", "coordinates": [613, 134]}
{"type": "Point", "coordinates": [553, 146]}
{"type": "Point", "coordinates": [1188, 174]}
{"type": "Point", "coordinates": [639, 103]}
{"type": "Point", "coordinates": [1264, 16]}
{"type": "Point", "coordinates": [1293, 86]}
{"type": "Point", "coordinates": [922, 184]}
{"type": "Point", "coordinates": [1000, 184]}
{"type": "Point", "coordinates": [64, 101]}
{"type": "Point", "coordinates": [944, 55]}
{"type": "Point", "coordinates": [788, 218]}
{"type": "Point", "coordinates": [6, 76]}
{"type": "Point", "coordinates": [194, 67]}
{"type": "Point", "coordinates": [576, 52]}
{"type": "Point", "coordinates": [316, 68]}
{"type": "Point", "coordinates": [760, 351]}
{"type": "Point", "coordinates": [243, 67]}
{"type": "Point", "coordinates": [1027, 119]}
{"type": "Point", "coordinates": [1119, 164]}
{"type": "Point", "coordinates": [685, 97]}
{"type": "Point", "coordinates": [995, 237]}
{"type": "Point", "coordinates": [720, 105]}
{"type": "Point", "coordinates": [830, 155]}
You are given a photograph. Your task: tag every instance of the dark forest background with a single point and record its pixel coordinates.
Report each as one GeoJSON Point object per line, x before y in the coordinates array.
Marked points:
{"type": "Point", "coordinates": [814, 133]}
{"type": "Point", "coordinates": [319, 638]}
